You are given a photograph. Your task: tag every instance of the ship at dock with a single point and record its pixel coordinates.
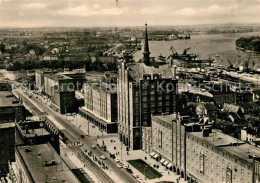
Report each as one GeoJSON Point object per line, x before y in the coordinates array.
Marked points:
{"type": "Point", "coordinates": [188, 59]}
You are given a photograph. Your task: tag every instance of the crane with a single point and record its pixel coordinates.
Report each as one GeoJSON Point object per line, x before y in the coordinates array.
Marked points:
{"type": "Point", "coordinates": [172, 49]}
{"type": "Point", "coordinates": [185, 50]}
{"type": "Point", "coordinates": [230, 64]}
{"type": "Point", "coordinates": [246, 63]}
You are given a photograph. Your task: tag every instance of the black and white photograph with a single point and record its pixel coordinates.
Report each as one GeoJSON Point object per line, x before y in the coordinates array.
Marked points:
{"type": "Point", "coordinates": [129, 91]}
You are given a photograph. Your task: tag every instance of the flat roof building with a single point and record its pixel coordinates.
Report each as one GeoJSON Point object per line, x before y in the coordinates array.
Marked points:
{"type": "Point", "coordinates": [217, 157]}
{"type": "Point", "coordinates": [11, 109]}
{"type": "Point", "coordinates": [39, 163]}
{"type": "Point", "coordinates": [101, 105]}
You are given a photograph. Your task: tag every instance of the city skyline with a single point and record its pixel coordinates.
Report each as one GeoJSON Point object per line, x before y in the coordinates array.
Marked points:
{"type": "Point", "coordinates": [69, 13]}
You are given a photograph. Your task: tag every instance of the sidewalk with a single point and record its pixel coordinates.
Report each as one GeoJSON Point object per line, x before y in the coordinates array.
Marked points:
{"type": "Point", "coordinates": [113, 142]}
{"type": "Point", "coordinates": [73, 162]}
{"type": "Point", "coordinates": [83, 125]}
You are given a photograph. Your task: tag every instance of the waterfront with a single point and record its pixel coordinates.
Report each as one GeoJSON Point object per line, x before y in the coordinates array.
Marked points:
{"type": "Point", "coordinates": [221, 47]}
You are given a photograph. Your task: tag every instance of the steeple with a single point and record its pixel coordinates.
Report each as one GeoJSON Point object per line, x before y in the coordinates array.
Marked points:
{"type": "Point", "coordinates": [146, 52]}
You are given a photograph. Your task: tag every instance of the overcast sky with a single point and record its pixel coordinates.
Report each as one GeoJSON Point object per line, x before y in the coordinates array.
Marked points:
{"type": "Point", "coordinates": [83, 13]}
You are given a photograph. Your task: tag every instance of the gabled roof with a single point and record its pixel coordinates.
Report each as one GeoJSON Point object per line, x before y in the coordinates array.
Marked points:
{"type": "Point", "coordinates": [210, 107]}
{"type": "Point", "coordinates": [136, 70]}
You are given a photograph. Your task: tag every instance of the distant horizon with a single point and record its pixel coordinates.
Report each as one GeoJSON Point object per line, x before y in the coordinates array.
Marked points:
{"type": "Point", "coordinates": [132, 26]}
{"type": "Point", "coordinates": [126, 13]}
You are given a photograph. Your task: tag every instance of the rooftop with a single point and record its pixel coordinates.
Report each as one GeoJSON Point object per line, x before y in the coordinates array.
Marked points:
{"type": "Point", "coordinates": [7, 125]}
{"type": "Point", "coordinates": [136, 70]}
{"type": "Point", "coordinates": [230, 144]}
{"type": "Point", "coordinates": [35, 159]}
{"type": "Point", "coordinates": [8, 99]}
{"type": "Point", "coordinates": [35, 132]}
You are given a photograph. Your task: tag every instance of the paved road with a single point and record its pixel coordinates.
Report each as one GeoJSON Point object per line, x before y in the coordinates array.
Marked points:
{"type": "Point", "coordinates": [74, 134]}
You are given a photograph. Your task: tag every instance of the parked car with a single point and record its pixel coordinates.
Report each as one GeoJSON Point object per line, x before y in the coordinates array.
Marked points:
{"type": "Point", "coordinates": [93, 146]}
{"type": "Point", "coordinates": [103, 157]}
{"type": "Point", "coordinates": [125, 166]}
{"type": "Point", "coordinates": [139, 179]}
{"type": "Point", "coordinates": [79, 144]}
{"type": "Point", "coordinates": [117, 160]}
{"type": "Point", "coordinates": [82, 136]}
{"type": "Point", "coordinates": [129, 170]}
{"type": "Point", "coordinates": [135, 175]}
{"type": "Point", "coordinates": [120, 165]}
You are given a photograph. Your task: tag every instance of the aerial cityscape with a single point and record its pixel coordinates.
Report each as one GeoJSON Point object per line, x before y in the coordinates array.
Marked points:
{"type": "Point", "coordinates": [129, 91]}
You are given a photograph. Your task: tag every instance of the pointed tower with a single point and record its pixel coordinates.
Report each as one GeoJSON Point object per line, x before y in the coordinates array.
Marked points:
{"type": "Point", "coordinates": [146, 52]}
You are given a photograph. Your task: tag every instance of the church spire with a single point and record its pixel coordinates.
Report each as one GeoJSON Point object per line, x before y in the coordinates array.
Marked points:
{"type": "Point", "coordinates": [146, 52]}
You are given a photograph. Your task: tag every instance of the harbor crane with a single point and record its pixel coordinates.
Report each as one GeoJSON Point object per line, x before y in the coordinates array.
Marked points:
{"type": "Point", "coordinates": [246, 63]}
{"type": "Point", "coordinates": [185, 50]}
{"type": "Point", "coordinates": [230, 64]}
{"type": "Point", "coordinates": [172, 49]}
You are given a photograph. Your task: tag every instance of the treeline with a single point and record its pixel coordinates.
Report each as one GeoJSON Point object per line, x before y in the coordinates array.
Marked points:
{"type": "Point", "coordinates": [251, 43]}
{"type": "Point", "coordinates": [87, 64]}
{"type": "Point", "coordinates": [24, 48]}
{"type": "Point", "coordinates": [163, 32]}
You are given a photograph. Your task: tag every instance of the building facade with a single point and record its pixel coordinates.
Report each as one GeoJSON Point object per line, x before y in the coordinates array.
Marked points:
{"type": "Point", "coordinates": [39, 78]}
{"type": "Point", "coordinates": [216, 157]}
{"type": "Point", "coordinates": [169, 140]}
{"type": "Point", "coordinates": [101, 105]}
{"type": "Point", "coordinates": [143, 89]}
{"type": "Point", "coordinates": [11, 109]}
{"type": "Point", "coordinates": [7, 142]}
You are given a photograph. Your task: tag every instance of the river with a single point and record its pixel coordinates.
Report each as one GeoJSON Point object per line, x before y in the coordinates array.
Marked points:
{"type": "Point", "coordinates": [221, 47]}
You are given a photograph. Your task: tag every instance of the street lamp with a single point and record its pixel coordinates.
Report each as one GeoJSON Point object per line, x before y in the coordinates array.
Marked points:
{"type": "Point", "coordinates": [121, 151]}
{"type": "Point", "coordinates": [75, 116]}
{"type": "Point", "coordinates": [144, 172]}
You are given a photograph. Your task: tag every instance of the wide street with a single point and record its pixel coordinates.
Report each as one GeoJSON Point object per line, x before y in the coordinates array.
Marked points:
{"type": "Point", "coordinates": [74, 134]}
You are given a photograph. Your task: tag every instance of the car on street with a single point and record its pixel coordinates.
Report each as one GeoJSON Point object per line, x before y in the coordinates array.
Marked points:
{"type": "Point", "coordinates": [119, 165]}
{"type": "Point", "coordinates": [139, 179]}
{"type": "Point", "coordinates": [135, 175]}
{"type": "Point", "coordinates": [125, 166]}
{"type": "Point", "coordinates": [117, 160]}
{"type": "Point", "coordinates": [93, 146]}
{"type": "Point", "coordinates": [82, 136]}
{"type": "Point", "coordinates": [129, 170]}
{"type": "Point", "coordinates": [103, 157]}
{"type": "Point", "coordinates": [79, 144]}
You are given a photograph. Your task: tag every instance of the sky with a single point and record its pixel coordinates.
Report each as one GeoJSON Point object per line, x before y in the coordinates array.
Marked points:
{"type": "Point", "coordinates": [89, 13]}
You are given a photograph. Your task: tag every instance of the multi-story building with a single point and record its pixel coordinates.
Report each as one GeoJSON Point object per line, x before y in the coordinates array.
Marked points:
{"type": "Point", "coordinates": [11, 109]}
{"type": "Point", "coordinates": [60, 87]}
{"type": "Point", "coordinates": [39, 78]}
{"type": "Point", "coordinates": [37, 132]}
{"type": "Point", "coordinates": [251, 135]}
{"type": "Point", "coordinates": [61, 90]}
{"type": "Point", "coordinates": [216, 157]}
{"type": "Point", "coordinates": [143, 90]}
{"type": "Point", "coordinates": [199, 154]}
{"type": "Point", "coordinates": [169, 140]}
{"type": "Point", "coordinates": [7, 141]}
{"type": "Point", "coordinates": [101, 105]}
{"type": "Point", "coordinates": [147, 139]}
{"type": "Point", "coordinates": [39, 163]}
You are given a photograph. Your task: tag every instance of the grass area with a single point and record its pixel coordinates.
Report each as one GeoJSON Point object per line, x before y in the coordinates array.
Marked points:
{"type": "Point", "coordinates": [145, 169]}
{"type": "Point", "coordinates": [80, 176]}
